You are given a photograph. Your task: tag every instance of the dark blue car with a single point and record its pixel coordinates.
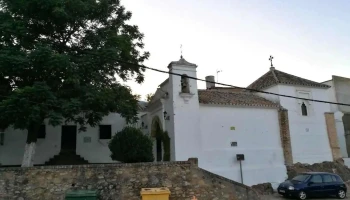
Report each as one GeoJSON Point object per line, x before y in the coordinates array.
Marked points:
{"type": "Point", "coordinates": [313, 184]}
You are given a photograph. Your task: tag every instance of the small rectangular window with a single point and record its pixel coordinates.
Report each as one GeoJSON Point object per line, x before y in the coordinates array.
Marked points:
{"type": "Point", "coordinates": [105, 132]}
{"type": "Point", "coordinates": [42, 132]}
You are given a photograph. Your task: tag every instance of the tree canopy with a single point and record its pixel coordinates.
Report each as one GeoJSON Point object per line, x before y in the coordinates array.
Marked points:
{"type": "Point", "coordinates": [60, 60]}
{"type": "Point", "coordinates": [149, 97]}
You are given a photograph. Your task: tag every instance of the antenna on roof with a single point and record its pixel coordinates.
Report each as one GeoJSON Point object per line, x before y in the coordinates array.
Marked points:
{"type": "Point", "coordinates": [217, 74]}
{"type": "Point", "coordinates": [181, 51]}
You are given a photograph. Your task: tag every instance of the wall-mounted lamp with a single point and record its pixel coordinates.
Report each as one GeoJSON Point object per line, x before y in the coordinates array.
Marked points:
{"type": "Point", "coordinates": [166, 117]}
{"type": "Point", "coordinates": [143, 125]}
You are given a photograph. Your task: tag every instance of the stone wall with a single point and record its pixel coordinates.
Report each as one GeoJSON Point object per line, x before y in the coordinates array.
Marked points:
{"type": "Point", "coordinates": [120, 181]}
{"type": "Point", "coordinates": [285, 136]}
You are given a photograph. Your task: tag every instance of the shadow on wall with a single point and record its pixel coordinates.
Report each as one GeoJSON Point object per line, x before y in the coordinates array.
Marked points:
{"type": "Point", "coordinates": [121, 181]}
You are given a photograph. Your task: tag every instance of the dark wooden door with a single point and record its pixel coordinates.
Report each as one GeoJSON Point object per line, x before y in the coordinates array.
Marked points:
{"type": "Point", "coordinates": [159, 149]}
{"type": "Point", "coordinates": [69, 138]}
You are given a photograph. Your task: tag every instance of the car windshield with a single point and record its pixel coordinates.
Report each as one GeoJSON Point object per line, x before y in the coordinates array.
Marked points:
{"type": "Point", "coordinates": [301, 177]}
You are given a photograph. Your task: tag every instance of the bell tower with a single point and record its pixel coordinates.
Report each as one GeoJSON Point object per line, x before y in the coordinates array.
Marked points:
{"type": "Point", "coordinates": [185, 108]}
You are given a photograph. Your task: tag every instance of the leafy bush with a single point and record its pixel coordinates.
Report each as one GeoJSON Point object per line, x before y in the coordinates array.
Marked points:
{"type": "Point", "coordinates": [130, 146]}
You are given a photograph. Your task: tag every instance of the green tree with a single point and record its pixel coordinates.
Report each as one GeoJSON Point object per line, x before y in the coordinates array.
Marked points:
{"type": "Point", "coordinates": [138, 97]}
{"type": "Point", "coordinates": [130, 146]}
{"type": "Point", "coordinates": [149, 97]}
{"type": "Point", "coordinates": [59, 61]}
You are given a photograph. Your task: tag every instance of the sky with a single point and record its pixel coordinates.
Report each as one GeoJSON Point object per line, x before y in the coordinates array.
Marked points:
{"type": "Point", "coordinates": [310, 39]}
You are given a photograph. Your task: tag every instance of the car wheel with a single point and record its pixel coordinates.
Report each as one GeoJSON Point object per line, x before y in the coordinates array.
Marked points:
{"type": "Point", "coordinates": [341, 194]}
{"type": "Point", "coordinates": [302, 195]}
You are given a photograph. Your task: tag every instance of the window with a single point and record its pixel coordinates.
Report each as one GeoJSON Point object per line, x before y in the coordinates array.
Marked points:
{"type": "Point", "coordinates": [337, 179]}
{"type": "Point", "coordinates": [327, 178]}
{"type": "Point", "coordinates": [42, 132]}
{"type": "Point", "coordinates": [301, 177]}
{"type": "Point", "coordinates": [316, 179]}
{"type": "Point", "coordinates": [303, 109]}
{"type": "Point", "coordinates": [304, 104]}
{"type": "Point", "coordinates": [334, 179]}
{"type": "Point", "coordinates": [185, 88]}
{"type": "Point", "coordinates": [105, 132]}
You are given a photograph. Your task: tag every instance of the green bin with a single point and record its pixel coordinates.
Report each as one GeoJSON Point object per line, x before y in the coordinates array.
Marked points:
{"type": "Point", "coordinates": [81, 195]}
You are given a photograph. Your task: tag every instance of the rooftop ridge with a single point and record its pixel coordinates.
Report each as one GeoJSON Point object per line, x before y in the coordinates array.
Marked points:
{"type": "Point", "coordinates": [259, 78]}
{"type": "Point", "coordinates": [274, 77]}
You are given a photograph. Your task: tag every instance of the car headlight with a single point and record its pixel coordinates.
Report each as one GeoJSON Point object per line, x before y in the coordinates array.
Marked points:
{"type": "Point", "coordinates": [290, 188]}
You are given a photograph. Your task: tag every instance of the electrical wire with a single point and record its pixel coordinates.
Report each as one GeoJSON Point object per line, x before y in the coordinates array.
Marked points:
{"type": "Point", "coordinates": [248, 89]}
{"type": "Point", "coordinates": [223, 84]}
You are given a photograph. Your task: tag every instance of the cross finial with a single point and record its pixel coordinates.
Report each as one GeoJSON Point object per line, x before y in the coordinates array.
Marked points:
{"type": "Point", "coordinates": [270, 59]}
{"type": "Point", "coordinates": [181, 50]}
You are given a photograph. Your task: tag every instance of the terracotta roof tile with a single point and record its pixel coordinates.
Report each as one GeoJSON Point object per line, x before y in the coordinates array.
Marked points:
{"type": "Point", "coordinates": [229, 89]}
{"type": "Point", "coordinates": [233, 98]}
{"type": "Point", "coordinates": [274, 77]}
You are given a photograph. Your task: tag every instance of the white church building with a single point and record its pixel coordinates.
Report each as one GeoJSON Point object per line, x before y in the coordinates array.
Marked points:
{"type": "Point", "coordinates": [215, 125]}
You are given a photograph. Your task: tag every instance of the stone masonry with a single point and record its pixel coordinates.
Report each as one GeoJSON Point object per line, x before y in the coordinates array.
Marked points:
{"type": "Point", "coordinates": [332, 135]}
{"type": "Point", "coordinates": [285, 136]}
{"type": "Point", "coordinates": [120, 182]}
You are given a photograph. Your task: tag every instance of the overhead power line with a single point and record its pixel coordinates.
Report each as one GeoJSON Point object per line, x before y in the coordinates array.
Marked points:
{"type": "Point", "coordinates": [228, 85]}
{"type": "Point", "coordinates": [223, 84]}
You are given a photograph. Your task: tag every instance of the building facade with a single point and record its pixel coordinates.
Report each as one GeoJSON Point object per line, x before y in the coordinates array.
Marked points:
{"type": "Point", "coordinates": [213, 124]}
{"type": "Point", "coordinates": [339, 91]}
{"type": "Point", "coordinates": [90, 146]}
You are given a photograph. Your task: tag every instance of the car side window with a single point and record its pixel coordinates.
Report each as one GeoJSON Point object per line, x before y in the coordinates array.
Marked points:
{"type": "Point", "coordinates": [327, 178]}
{"type": "Point", "coordinates": [334, 178]}
{"type": "Point", "coordinates": [316, 179]}
{"type": "Point", "coordinates": [338, 179]}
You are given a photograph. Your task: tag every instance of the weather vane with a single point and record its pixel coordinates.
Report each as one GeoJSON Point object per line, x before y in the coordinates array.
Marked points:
{"type": "Point", "coordinates": [270, 59]}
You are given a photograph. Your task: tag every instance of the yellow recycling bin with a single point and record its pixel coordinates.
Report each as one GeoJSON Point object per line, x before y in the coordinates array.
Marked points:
{"type": "Point", "coordinates": [155, 193]}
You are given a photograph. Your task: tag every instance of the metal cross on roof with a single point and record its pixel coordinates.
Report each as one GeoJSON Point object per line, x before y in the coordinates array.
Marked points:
{"type": "Point", "coordinates": [270, 59]}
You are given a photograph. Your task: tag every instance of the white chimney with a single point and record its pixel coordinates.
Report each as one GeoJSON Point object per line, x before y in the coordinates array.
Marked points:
{"type": "Point", "coordinates": [210, 84]}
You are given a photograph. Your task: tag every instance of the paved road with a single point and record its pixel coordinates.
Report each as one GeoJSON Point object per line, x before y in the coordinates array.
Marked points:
{"type": "Point", "coordinates": [278, 197]}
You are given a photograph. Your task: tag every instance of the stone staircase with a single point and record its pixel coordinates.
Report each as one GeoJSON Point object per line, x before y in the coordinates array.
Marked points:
{"type": "Point", "coordinates": [67, 158]}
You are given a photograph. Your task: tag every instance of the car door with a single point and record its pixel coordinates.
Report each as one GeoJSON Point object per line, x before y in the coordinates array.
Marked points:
{"type": "Point", "coordinates": [315, 185]}
{"type": "Point", "coordinates": [329, 185]}
{"type": "Point", "coordinates": [338, 183]}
